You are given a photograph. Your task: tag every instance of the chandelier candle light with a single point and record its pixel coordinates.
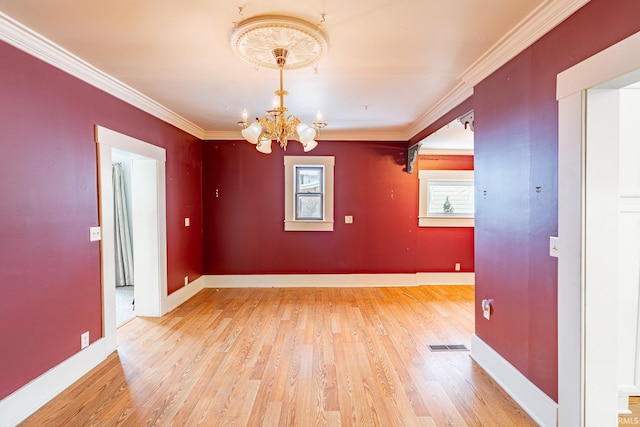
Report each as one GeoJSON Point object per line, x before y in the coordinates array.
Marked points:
{"type": "Point", "coordinates": [287, 39]}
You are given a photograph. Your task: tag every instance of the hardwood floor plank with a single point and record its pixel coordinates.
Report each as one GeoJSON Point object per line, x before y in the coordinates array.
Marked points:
{"type": "Point", "coordinates": [293, 357]}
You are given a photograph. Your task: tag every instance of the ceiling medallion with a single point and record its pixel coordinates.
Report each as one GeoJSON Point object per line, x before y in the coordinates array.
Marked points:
{"type": "Point", "coordinates": [277, 42]}
{"type": "Point", "coordinates": [255, 39]}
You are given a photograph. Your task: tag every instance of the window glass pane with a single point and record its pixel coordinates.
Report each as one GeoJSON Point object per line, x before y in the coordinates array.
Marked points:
{"type": "Point", "coordinates": [309, 179]}
{"type": "Point", "coordinates": [309, 192]}
{"type": "Point", "coordinates": [309, 206]}
{"type": "Point", "coordinates": [451, 198]}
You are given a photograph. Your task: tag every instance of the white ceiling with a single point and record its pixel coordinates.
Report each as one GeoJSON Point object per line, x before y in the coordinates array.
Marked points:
{"type": "Point", "coordinates": [454, 136]}
{"type": "Point", "coordinates": [393, 66]}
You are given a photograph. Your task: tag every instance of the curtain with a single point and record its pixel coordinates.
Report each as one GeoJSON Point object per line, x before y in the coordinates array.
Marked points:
{"type": "Point", "coordinates": [123, 246]}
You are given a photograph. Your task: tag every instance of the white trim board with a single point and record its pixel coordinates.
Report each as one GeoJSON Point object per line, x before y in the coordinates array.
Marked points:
{"type": "Point", "coordinates": [614, 67]}
{"type": "Point", "coordinates": [336, 280]}
{"type": "Point", "coordinates": [184, 294]}
{"type": "Point", "coordinates": [151, 261]}
{"type": "Point", "coordinates": [20, 404]}
{"type": "Point", "coordinates": [534, 401]}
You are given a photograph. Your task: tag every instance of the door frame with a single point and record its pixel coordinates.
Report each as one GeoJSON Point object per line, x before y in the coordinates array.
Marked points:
{"type": "Point", "coordinates": [155, 230]}
{"type": "Point", "coordinates": [586, 344]}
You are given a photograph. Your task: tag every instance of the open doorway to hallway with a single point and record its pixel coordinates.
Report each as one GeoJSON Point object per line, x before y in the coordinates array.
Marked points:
{"type": "Point", "coordinates": [148, 218]}
{"type": "Point", "coordinates": [599, 230]}
{"type": "Point", "coordinates": [123, 164]}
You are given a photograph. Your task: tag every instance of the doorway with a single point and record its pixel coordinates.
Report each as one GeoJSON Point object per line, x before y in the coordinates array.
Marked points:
{"type": "Point", "coordinates": [597, 300]}
{"type": "Point", "coordinates": [148, 189]}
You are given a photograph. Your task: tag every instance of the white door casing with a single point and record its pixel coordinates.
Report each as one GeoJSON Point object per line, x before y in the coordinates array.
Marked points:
{"type": "Point", "coordinates": [587, 227]}
{"type": "Point", "coordinates": [149, 218]}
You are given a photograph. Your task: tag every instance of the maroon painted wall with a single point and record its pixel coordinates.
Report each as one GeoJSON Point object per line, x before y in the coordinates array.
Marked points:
{"type": "Point", "coordinates": [49, 271]}
{"type": "Point", "coordinates": [244, 212]}
{"type": "Point", "coordinates": [441, 245]}
{"type": "Point", "coordinates": [516, 147]}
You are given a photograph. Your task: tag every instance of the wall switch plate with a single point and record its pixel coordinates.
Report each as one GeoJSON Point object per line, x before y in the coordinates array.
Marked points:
{"type": "Point", "coordinates": [186, 280]}
{"type": "Point", "coordinates": [84, 340]}
{"type": "Point", "coordinates": [348, 219]}
{"type": "Point", "coordinates": [554, 247]}
{"type": "Point", "coordinates": [187, 222]}
{"type": "Point", "coordinates": [94, 234]}
{"type": "Point", "coordinates": [486, 309]}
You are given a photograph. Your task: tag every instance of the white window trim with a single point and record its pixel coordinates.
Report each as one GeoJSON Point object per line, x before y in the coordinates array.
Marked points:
{"type": "Point", "coordinates": [429, 221]}
{"type": "Point", "coordinates": [290, 223]}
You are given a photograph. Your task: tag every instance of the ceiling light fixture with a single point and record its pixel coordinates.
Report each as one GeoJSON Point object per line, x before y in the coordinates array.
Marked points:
{"type": "Point", "coordinates": [292, 43]}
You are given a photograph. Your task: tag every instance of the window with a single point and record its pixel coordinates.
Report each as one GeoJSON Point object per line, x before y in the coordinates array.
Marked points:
{"type": "Point", "coordinates": [308, 193]}
{"type": "Point", "coordinates": [450, 198]}
{"type": "Point", "coordinates": [446, 198]}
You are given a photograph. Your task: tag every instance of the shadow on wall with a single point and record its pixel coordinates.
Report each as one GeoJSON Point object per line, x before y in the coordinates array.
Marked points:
{"type": "Point", "coordinates": [396, 152]}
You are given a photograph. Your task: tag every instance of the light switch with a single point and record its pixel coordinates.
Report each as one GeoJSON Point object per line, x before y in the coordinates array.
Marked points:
{"type": "Point", "coordinates": [94, 234]}
{"type": "Point", "coordinates": [554, 246]}
{"type": "Point", "coordinates": [348, 219]}
{"type": "Point", "coordinates": [187, 222]}
{"type": "Point", "coordinates": [486, 309]}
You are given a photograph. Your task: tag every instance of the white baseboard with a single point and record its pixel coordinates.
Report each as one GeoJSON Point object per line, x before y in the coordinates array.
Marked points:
{"type": "Point", "coordinates": [336, 280]}
{"type": "Point", "coordinates": [534, 401]}
{"type": "Point", "coordinates": [457, 278]}
{"type": "Point", "coordinates": [25, 401]}
{"type": "Point", "coordinates": [183, 294]}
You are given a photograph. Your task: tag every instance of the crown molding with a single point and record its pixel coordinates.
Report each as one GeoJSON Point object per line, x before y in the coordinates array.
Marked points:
{"type": "Point", "coordinates": [540, 21]}
{"type": "Point", "coordinates": [27, 40]}
{"type": "Point", "coordinates": [455, 97]}
{"type": "Point", "coordinates": [535, 25]}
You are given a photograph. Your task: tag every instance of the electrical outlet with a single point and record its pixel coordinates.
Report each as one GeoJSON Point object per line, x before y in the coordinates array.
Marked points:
{"type": "Point", "coordinates": [187, 222]}
{"type": "Point", "coordinates": [457, 266]}
{"type": "Point", "coordinates": [186, 280]}
{"type": "Point", "coordinates": [84, 340]}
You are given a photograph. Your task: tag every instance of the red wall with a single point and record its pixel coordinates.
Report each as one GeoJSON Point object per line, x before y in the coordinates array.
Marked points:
{"type": "Point", "coordinates": [441, 245]}
{"type": "Point", "coordinates": [49, 271]}
{"type": "Point", "coordinates": [244, 211]}
{"type": "Point", "coordinates": [516, 148]}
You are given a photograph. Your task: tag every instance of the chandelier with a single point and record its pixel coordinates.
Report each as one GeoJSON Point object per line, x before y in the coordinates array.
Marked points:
{"type": "Point", "coordinates": [276, 42]}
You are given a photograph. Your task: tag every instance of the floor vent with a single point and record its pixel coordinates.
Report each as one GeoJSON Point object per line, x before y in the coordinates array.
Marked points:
{"type": "Point", "coordinates": [448, 347]}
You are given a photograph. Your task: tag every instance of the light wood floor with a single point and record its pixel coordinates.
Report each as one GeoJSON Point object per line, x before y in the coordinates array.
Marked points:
{"type": "Point", "coordinates": [634, 417]}
{"type": "Point", "coordinates": [293, 357]}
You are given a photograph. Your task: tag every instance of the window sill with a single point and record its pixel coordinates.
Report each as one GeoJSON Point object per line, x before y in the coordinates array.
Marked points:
{"type": "Point", "coordinates": [308, 226]}
{"type": "Point", "coordinates": [445, 222]}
